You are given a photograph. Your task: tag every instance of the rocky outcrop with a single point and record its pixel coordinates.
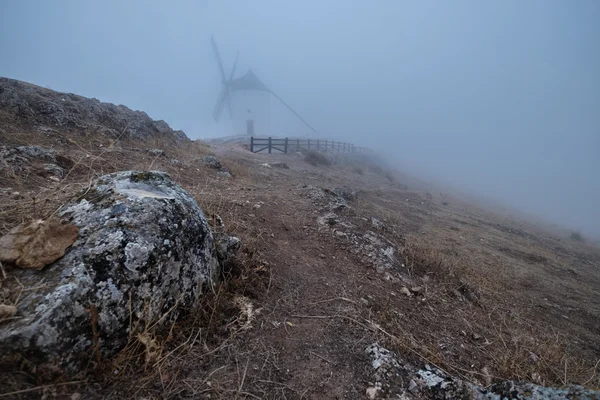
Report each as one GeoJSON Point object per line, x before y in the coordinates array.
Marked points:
{"type": "Point", "coordinates": [394, 378]}
{"type": "Point", "coordinates": [212, 162]}
{"type": "Point", "coordinates": [144, 252]}
{"type": "Point", "coordinates": [28, 104]}
{"type": "Point", "coordinates": [33, 159]}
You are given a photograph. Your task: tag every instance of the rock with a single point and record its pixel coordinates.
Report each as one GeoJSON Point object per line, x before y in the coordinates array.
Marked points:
{"type": "Point", "coordinates": [377, 224]}
{"type": "Point", "coordinates": [7, 311]}
{"type": "Point", "coordinates": [328, 219]}
{"type": "Point", "coordinates": [20, 158]}
{"type": "Point", "coordinates": [280, 165]}
{"type": "Point", "coordinates": [36, 244]}
{"type": "Point", "coordinates": [227, 247]}
{"type": "Point", "coordinates": [412, 386]}
{"type": "Point", "coordinates": [405, 291]}
{"type": "Point", "coordinates": [175, 162]}
{"type": "Point", "coordinates": [416, 289]}
{"type": "Point", "coordinates": [156, 152]}
{"type": "Point", "coordinates": [371, 393]}
{"type": "Point", "coordinates": [218, 221]}
{"type": "Point", "coordinates": [343, 193]}
{"type": "Point", "coordinates": [212, 162]}
{"type": "Point", "coordinates": [390, 373]}
{"type": "Point", "coordinates": [266, 165]}
{"type": "Point", "coordinates": [34, 152]}
{"type": "Point", "coordinates": [54, 169]}
{"type": "Point", "coordinates": [144, 253]}
{"type": "Point", "coordinates": [225, 172]}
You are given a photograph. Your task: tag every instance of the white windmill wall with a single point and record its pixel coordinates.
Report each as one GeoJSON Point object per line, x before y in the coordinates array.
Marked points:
{"type": "Point", "coordinates": [254, 105]}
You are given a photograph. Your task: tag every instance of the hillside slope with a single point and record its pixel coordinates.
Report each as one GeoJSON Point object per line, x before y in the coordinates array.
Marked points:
{"type": "Point", "coordinates": [339, 264]}
{"type": "Point", "coordinates": [23, 104]}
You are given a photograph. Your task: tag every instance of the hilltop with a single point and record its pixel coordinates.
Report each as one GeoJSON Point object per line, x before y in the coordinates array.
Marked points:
{"type": "Point", "coordinates": [351, 282]}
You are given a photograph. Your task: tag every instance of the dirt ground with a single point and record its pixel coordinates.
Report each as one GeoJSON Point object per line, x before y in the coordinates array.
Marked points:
{"type": "Point", "coordinates": [475, 292]}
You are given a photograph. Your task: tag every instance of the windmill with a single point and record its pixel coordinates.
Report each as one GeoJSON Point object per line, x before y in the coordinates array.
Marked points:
{"type": "Point", "coordinates": [247, 99]}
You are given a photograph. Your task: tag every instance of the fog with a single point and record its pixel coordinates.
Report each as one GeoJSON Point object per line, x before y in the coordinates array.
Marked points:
{"type": "Point", "coordinates": [501, 99]}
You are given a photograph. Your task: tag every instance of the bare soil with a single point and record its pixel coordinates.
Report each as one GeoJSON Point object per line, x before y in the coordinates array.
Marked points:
{"type": "Point", "coordinates": [492, 297]}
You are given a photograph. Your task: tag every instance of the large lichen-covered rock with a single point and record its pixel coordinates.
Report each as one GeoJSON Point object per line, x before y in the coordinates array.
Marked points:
{"type": "Point", "coordinates": [144, 252]}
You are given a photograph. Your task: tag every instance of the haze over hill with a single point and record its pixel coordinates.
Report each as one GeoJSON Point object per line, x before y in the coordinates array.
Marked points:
{"type": "Point", "coordinates": [501, 99]}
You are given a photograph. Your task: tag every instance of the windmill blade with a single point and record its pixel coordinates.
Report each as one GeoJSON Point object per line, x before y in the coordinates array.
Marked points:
{"type": "Point", "coordinates": [229, 102]}
{"type": "Point", "coordinates": [218, 57]}
{"type": "Point", "coordinates": [292, 110]}
{"type": "Point", "coordinates": [220, 103]}
{"type": "Point", "coordinates": [234, 65]}
{"type": "Point", "coordinates": [228, 89]}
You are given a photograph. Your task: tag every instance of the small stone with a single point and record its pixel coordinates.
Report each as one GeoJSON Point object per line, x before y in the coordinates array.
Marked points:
{"type": "Point", "coordinates": [377, 224]}
{"type": "Point", "coordinates": [416, 289]}
{"type": "Point", "coordinates": [371, 392]}
{"type": "Point", "coordinates": [405, 291]}
{"type": "Point", "coordinates": [322, 255]}
{"type": "Point", "coordinates": [412, 386]}
{"type": "Point", "coordinates": [156, 152]}
{"type": "Point", "coordinates": [476, 336]}
{"type": "Point", "coordinates": [76, 396]}
{"type": "Point", "coordinates": [280, 165]}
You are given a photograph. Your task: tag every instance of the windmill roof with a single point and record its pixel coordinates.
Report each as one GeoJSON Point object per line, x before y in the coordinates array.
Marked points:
{"type": "Point", "coordinates": [249, 81]}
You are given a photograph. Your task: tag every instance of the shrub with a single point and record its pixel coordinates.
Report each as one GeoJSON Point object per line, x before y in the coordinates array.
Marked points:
{"type": "Point", "coordinates": [314, 157]}
{"type": "Point", "coordinates": [577, 236]}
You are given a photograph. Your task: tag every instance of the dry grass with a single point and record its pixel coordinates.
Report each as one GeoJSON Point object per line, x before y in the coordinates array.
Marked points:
{"type": "Point", "coordinates": [507, 344]}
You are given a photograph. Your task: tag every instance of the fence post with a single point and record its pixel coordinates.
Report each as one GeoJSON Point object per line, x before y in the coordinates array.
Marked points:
{"type": "Point", "coordinates": [285, 146]}
{"type": "Point", "coordinates": [326, 146]}
{"type": "Point", "coordinates": [344, 149]}
{"type": "Point", "coordinates": [269, 144]}
{"type": "Point", "coordinates": [353, 149]}
{"type": "Point", "coordinates": [252, 144]}
{"type": "Point", "coordinates": [309, 144]}
{"type": "Point", "coordinates": [318, 148]}
{"type": "Point", "coordinates": [298, 145]}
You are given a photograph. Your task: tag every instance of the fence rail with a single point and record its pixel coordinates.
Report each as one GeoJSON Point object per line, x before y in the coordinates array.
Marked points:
{"type": "Point", "coordinates": [286, 145]}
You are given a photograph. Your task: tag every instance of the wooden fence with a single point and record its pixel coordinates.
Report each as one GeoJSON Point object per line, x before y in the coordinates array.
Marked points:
{"type": "Point", "coordinates": [286, 145]}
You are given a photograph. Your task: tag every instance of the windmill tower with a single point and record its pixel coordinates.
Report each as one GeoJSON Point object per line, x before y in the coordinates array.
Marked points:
{"type": "Point", "coordinates": [247, 100]}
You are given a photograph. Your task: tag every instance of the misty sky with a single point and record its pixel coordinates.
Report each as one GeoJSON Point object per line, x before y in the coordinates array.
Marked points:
{"type": "Point", "coordinates": [499, 97]}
